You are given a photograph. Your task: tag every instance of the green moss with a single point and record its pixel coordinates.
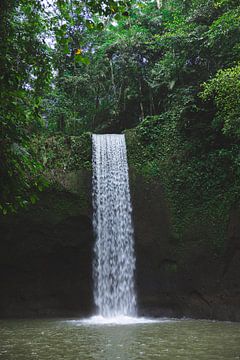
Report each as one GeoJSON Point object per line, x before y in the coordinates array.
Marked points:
{"type": "Point", "coordinates": [200, 182]}
{"type": "Point", "coordinates": [64, 152]}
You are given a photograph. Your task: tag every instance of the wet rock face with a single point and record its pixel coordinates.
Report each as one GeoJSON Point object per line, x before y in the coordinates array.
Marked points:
{"type": "Point", "coordinates": [187, 279]}
{"type": "Point", "coordinates": [46, 260]}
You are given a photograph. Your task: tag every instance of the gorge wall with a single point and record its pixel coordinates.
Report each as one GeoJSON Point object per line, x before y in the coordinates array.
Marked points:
{"type": "Point", "coordinates": [45, 254]}
{"type": "Point", "coordinates": [46, 258]}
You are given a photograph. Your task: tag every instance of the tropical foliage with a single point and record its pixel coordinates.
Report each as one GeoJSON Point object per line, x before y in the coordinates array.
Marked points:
{"type": "Point", "coordinates": [168, 70]}
{"type": "Point", "coordinates": [29, 33]}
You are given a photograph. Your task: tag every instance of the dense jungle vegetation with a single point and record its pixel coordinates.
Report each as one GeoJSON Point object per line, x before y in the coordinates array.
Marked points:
{"type": "Point", "coordinates": [166, 72]}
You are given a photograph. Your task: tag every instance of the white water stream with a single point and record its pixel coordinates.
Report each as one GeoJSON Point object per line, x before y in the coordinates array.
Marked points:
{"type": "Point", "coordinates": [114, 263]}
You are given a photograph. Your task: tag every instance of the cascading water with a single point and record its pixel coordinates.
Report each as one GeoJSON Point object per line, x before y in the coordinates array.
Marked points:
{"type": "Point", "coordinates": [114, 262]}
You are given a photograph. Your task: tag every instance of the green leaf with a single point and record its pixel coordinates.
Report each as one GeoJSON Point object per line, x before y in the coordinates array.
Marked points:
{"type": "Point", "coordinates": [83, 60]}
{"type": "Point", "coordinates": [90, 24]}
{"type": "Point", "coordinates": [100, 26]}
{"type": "Point", "coordinates": [33, 199]}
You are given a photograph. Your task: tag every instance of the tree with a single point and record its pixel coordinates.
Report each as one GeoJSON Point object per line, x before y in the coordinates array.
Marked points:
{"type": "Point", "coordinates": [25, 73]}
{"type": "Point", "coordinates": [26, 62]}
{"type": "Point", "coordinates": [224, 89]}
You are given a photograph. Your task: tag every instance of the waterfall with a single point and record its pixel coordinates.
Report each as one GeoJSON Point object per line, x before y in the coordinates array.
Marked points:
{"type": "Point", "coordinates": [114, 262]}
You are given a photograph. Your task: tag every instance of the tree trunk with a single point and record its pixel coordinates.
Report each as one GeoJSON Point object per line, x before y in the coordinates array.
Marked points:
{"type": "Point", "coordinates": [113, 80]}
{"type": "Point", "coordinates": [159, 4]}
{"type": "Point", "coordinates": [141, 96]}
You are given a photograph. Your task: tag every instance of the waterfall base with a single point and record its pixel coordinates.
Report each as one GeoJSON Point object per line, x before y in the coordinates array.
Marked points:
{"type": "Point", "coordinates": [118, 320]}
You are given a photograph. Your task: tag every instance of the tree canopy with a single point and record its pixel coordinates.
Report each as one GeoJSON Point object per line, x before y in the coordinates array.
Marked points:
{"type": "Point", "coordinates": [168, 70]}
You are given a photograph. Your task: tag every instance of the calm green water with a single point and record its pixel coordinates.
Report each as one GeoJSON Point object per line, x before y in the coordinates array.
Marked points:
{"type": "Point", "coordinates": [56, 340]}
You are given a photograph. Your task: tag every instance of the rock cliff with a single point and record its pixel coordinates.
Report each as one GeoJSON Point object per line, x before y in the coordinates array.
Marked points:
{"type": "Point", "coordinates": [46, 258]}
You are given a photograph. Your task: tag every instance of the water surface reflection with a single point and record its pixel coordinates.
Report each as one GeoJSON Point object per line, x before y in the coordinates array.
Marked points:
{"type": "Point", "coordinates": [56, 340]}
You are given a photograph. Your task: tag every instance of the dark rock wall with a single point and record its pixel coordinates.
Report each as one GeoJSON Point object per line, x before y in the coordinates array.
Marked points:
{"type": "Point", "coordinates": [182, 279]}
{"type": "Point", "coordinates": [46, 258]}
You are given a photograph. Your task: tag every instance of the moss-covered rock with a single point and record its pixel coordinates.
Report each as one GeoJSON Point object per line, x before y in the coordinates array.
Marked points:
{"type": "Point", "coordinates": [200, 185]}
{"type": "Point", "coordinates": [46, 252]}
{"type": "Point", "coordinates": [187, 278]}
{"type": "Point", "coordinates": [64, 152]}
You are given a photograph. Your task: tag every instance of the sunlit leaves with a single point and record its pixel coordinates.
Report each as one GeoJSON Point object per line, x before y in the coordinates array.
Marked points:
{"type": "Point", "coordinates": [224, 89]}
{"type": "Point", "coordinates": [108, 7]}
{"type": "Point", "coordinates": [82, 59]}
{"type": "Point", "coordinates": [90, 24]}
{"type": "Point", "coordinates": [78, 52]}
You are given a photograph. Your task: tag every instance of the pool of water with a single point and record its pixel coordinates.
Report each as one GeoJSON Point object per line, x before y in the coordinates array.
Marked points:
{"type": "Point", "coordinates": [93, 340]}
